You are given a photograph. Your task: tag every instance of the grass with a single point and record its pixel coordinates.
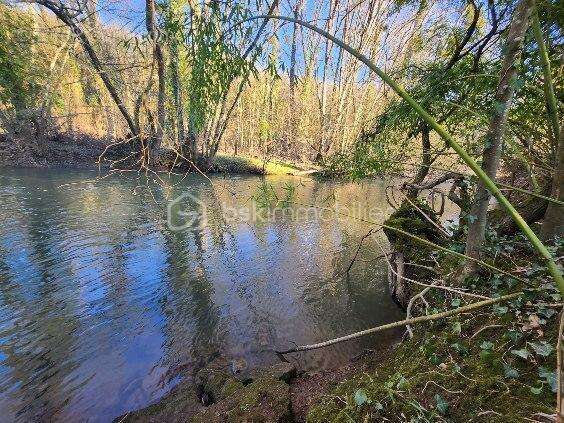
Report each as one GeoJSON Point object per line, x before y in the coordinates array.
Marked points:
{"type": "Point", "coordinates": [256, 165]}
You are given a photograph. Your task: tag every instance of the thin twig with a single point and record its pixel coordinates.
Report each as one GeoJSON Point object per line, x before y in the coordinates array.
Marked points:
{"type": "Point", "coordinates": [359, 247]}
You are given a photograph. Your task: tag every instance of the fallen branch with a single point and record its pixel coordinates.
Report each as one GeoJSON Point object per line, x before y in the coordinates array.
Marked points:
{"type": "Point", "coordinates": [419, 319]}
{"type": "Point", "coordinates": [412, 301]}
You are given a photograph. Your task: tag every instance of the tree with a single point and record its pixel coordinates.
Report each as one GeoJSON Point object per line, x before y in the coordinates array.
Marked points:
{"type": "Point", "coordinates": [150, 20]}
{"type": "Point", "coordinates": [69, 17]}
{"type": "Point", "coordinates": [494, 137]}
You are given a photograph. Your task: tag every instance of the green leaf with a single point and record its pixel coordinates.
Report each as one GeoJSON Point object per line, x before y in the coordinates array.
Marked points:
{"type": "Point", "coordinates": [459, 348]}
{"type": "Point", "coordinates": [442, 405]}
{"type": "Point", "coordinates": [510, 372]}
{"type": "Point", "coordinates": [378, 406]}
{"type": "Point", "coordinates": [360, 397]}
{"type": "Point", "coordinates": [456, 328]}
{"type": "Point", "coordinates": [402, 383]}
{"type": "Point", "coordinates": [500, 310]}
{"type": "Point", "coordinates": [434, 359]}
{"type": "Point", "coordinates": [536, 391]}
{"type": "Point", "coordinates": [542, 348]}
{"type": "Point", "coordinates": [523, 353]}
{"type": "Point", "coordinates": [486, 345]}
{"type": "Point", "coordinates": [550, 377]}
{"type": "Point", "coordinates": [513, 335]}
{"type": "Point", "coordinates": [455, 302]}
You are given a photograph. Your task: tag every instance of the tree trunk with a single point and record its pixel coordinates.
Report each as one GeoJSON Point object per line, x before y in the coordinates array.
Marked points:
{"type": "Point", "coordinates": [553, 224]}
{"type": "Point", "coordinates": [177, 93]}
{"type": "Point", "coordinates": [494, 137]}
{"type": "Point", "coordinates": [425, 161]}
{"type": "Point", "coordinates": [293, 79]}
{"type": "Point", "coordinates": [159, 59]}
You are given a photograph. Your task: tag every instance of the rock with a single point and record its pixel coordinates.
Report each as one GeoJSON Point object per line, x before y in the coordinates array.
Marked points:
{"type": "Point", "coordinates": [264, 400]}
{"type": "Point", "coordinates": [282, 371]}
{"type": "Point", "coordinates": [217, 383]}
{"type": "Point", "coordinates": [182, 401]}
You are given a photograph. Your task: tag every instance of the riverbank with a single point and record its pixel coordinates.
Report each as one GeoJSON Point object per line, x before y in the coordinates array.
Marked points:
{"type": "Point", "coordinates": [444, 373]}
{"type": "Point", "coordinates": [84, 152]}
{"type": "Point", "coordinates": [492, 364]}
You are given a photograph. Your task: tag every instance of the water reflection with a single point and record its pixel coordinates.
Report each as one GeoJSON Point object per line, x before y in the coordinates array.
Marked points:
{"type": "Point", "coordinates": [101, 305]}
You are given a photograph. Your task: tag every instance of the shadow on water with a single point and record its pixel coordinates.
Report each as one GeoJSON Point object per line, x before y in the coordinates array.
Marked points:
{"type": "Point", "coordinates": [102, 306]}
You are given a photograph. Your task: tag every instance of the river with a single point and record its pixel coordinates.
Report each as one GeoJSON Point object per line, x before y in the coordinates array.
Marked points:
{"type": "Point", "coordinates": [112, 288]}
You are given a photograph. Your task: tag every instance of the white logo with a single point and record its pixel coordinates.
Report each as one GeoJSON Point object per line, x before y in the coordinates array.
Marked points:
{"type": "Point", "coordinates": [186, 211]}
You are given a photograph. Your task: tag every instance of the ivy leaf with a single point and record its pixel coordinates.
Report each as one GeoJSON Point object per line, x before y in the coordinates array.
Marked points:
{"type": "Point", "coordinates": [523, 353]}
{"type": "Point", "coordinates": [550, 377]}
{"type": "Point", "coordinates": [486, 345]}
{"type": "Point", "coordinates": [510, 372]}
{"type": "Point", "coordinates": [500, 310]}
{"type": "Point", "coordinates": [378, 406]}
{"type": "Point", "coordinates": [455, 302]}
{"type": "Point", "coordinates": [360, 397]}
{"type": "Point", "coordinates": [546, 312]}
{"type": "Point", "coordinates": [402, 383]}
{"type": "Point", "coordinates": [542, 348]}
{"type": "Point", "coordinates": [442, 405]}
{"type": "Point", "coordinates": [434, 359]}
{"type": "Point", "coordinates": [536, 391]}
{"type": "Point", "coordinates": [459, 348]}
{"type": "Point", "coordinates": [456, 328]}
{"type": "Point", "coordinates": [513, 335]}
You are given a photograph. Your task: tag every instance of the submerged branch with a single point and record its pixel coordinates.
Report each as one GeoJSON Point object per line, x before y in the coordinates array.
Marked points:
{"type": "Point", "coordinates": [414, 320]}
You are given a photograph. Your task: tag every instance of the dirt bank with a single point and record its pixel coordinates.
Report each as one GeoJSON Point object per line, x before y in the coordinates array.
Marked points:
{"type": "Point", "coordinates": [85, 152]}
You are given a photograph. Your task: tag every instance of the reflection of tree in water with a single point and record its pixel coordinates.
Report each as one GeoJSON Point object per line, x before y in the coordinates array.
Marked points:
{"type": "Point", "coordinates": [329, 305]}
{"type": "Point", "coordinates": [234, 288]}
{"type": "Point", "coordinates": [39, 348]}
{"type": "Point", "coordinates": [192, 320]}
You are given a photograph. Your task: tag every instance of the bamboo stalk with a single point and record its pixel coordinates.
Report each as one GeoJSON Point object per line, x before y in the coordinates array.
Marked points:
{"type": "Point", "coordinates": [552, 104]}
{"type": "Point", "coordinates": [551, 265]}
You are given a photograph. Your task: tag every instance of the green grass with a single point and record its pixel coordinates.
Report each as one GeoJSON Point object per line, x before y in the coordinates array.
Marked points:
{"type": "Point", "coordinates": [255, 165]}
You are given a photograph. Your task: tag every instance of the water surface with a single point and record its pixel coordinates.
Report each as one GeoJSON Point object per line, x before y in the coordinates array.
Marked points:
{"type": "Point", "coordinates": [102, 305]}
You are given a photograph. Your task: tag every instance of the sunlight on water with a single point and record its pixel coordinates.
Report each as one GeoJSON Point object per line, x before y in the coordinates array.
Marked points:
{"type": "Point", "coordinates": [102, 306]}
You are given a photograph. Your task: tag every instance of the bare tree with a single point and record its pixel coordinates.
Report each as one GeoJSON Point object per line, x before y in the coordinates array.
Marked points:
{"type": "Point", "coordinates": [69, 16]}
{"type": "Point", "coordinates": [151, 16]}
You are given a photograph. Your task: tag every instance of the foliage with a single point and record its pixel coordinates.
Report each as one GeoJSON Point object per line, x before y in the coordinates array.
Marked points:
{"type": "Point", "coordinates": [366, 159]}
{"type": "Point", "coordinates": [21, 69]}
{"type": "Point", "coordinates": [214, 58]}
{"type": "Point", "coordinates": [501, 362]}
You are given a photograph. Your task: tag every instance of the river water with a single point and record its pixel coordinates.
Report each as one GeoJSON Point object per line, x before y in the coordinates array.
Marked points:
{"type": "Point", "coordinates": [110, 289]}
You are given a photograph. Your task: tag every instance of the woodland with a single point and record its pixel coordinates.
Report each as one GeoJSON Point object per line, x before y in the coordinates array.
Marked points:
{"type": "Point", "coordinates": [461, 101]}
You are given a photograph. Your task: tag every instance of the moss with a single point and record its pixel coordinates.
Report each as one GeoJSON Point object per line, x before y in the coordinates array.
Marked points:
{"type": "Point", "coordinates": [409, 219]}
{"type": "Point", "coordinates": [229, 387]}
{"type": "Point", "coordinates": [438, 362]}
{"type": "Point", "coordinates": [282, 371]}
{"type": "Point", "coordinates": [264, 400]}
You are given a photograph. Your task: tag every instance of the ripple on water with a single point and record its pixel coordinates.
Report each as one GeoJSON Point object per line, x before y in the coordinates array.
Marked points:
{"type": "Point", "coordinates": [101, 304]}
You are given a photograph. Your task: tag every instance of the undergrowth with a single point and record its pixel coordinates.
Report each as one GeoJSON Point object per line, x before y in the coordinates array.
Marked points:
{"type": "Point", "coordinates": [496, 364]}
